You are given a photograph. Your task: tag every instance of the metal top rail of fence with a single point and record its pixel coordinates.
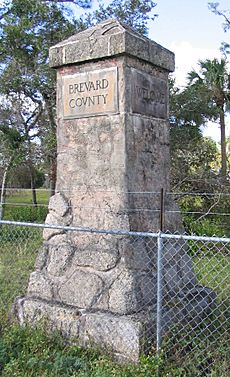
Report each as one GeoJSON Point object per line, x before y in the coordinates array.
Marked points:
{"type": "Point", "coordinates": [160, 234]}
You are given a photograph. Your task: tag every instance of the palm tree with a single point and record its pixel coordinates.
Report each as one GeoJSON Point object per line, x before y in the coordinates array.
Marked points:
{"type": "Point", "coordinates": [213, 84]}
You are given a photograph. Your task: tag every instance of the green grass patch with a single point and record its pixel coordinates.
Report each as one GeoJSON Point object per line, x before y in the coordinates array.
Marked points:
{"type": "Point", "coordinates": [25, 197]}
{"type": "Point", "coordinates": [18, 251]}
{"type": "Point", "coordinates": [213, 271]}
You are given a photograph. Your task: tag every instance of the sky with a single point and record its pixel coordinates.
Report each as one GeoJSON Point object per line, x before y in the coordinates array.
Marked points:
{"type": "Point", "coordinates": [192, 32]}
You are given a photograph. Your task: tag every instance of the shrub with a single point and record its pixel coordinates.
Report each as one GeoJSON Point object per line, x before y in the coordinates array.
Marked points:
{"type": "Point", "coordinates": [27, 213]}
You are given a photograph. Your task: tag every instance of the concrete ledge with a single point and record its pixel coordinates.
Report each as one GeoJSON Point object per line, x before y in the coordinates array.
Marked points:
{"type": "Point", "coordinates": [123, 336]}
{"type": "Point", "coordinates": [110, 38]}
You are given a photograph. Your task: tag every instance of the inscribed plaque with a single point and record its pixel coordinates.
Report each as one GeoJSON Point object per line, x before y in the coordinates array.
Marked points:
{"type": "Point", "coordinates": [149, 95]}
{"type": "Point", "coordinates": [90, 93]}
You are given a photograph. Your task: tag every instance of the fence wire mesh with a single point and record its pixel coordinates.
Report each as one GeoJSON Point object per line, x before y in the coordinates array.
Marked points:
{"type": "Point", "coordinates": [178, 285]}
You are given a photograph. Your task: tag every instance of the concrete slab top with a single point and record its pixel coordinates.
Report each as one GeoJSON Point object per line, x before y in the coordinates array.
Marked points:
{"type": "Point", "coordinates": [106, 39]}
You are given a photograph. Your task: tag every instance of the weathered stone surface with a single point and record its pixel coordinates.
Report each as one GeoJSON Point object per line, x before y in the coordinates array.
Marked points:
{"type": "Point", "coordinates": [121, 335]}
{"type": "Point", "coordinates": [60, 257]}
{"type": "Point", "coordinates": [132, 291]}
{"type": "Point", "coordinates": [59, 204]}
{"type": "Point", "coordinates": [41, 257]}
{"type": "Point", "coordinates": [58, 239]}
{"type": "Point", "coordinates": [138, 253]}
{"type": "Point", "coordinates": [123, 297]}
{"type": "Point", "coordinates": [53, 219]}
{"type": "Point", "coordinates": [56, 317]}
{"type": "Point", "coordinates": [82, 289]}
{"type": "Point", "coordinates": [178, 270]}
{"type": "Point", "coordinates": [187, 272]}
{"type": "Point", "coordinates": [99, 260]}
{"type": "Point", "coordinates": [97, 251]}
{"type": "Point", "coordinates": [40, 286]}
{"type": "Point", "coordinates": [124, 336]}
{"type": "Point", "coordinates": [107, 39]}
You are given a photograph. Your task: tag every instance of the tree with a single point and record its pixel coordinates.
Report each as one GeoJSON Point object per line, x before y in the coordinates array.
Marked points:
{"type": "Point", "coordinates": [189, 150]}
{"type": "Point", "coordinates": [214, 7]}
{"type": "Point", "coordinates": [26, 33]}
{"type": "Point", "coordinates": [195, 160]}
{"type": "Point", "coordinates": [134, 13]}
{"type": "Point", "coordinates": [211, 84]}
{"type": "Point", "coordinates": [10, 151]}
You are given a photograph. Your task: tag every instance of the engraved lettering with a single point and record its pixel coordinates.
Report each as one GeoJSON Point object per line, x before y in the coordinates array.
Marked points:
{"type": "Point", "coordinates": [72, 103]}
{"type": "Point", "coordinates": [149, 94]}
{"type": "Point", "coordinates": [105, 84]}
{"type": "Point", "coordinates": [104, 97]}
{"type": "Point", "coordinates": [93, 92]}
{"type": "Point", "coordinates": [91, 100]}
{"type": "Point", "coordinates": [79, 102]}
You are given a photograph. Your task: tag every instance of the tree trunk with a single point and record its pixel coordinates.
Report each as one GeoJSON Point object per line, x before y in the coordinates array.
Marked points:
{"type": "Point", "coordinates": [32, 177]}
{"type": "Point", "coordinates": [3, 191]}
{"type": "Point", "coordinates": [223, 144]}
{"type": "Point", "coordinates": [32, 184]}
{"type": "Point", "coordinates": [53, 175]}
{"type": "Point", "coordinates": [53, 155]}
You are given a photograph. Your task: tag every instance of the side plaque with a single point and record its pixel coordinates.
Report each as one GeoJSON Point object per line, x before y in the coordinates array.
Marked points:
{"type": "Point", "coordinates": [149, 95]}
{"type": "Point", "coordinates": [90, 93]}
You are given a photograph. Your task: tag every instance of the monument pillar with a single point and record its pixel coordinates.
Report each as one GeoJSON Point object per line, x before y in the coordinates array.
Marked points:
{"type": "Point", "coordinates": [113, 160]}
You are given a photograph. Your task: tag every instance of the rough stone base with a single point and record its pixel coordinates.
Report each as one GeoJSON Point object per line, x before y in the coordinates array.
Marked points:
{"type": "Point", "coordinates": [125, 336]}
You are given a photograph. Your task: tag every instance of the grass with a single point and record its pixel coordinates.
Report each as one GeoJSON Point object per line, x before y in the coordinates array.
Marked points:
{"type": "Point", "coordinates": [25, 197]}
{"type": "Point", "coordinates": [18, 250]}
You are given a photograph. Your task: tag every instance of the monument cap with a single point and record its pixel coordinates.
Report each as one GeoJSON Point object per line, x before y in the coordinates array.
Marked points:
{"type": "Point", "coordinates": [106, 39]}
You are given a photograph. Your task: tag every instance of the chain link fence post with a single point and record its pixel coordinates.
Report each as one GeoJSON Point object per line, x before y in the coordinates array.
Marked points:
{"type": "Point", "coordinates": [159, 289]}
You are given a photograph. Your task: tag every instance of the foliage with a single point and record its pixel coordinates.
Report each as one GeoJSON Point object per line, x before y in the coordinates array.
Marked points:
{"type": "Point", "coordinates": [19, 207]}
{"type": "Point", "coordinates": [213, 79]}
{"type": "Point", "coordinates": [27, 30]}
{"type": "Point", "coordinates": [27, 352]}
{"type": "Point", "coordinates": [20, 177]}
{"type": "Point", "coordinates": [214, 7]}
{"type": "Point", "coordinates": [28, 214]}
{"type": "Point", "coordinates": [195, 160]}
{"type": "Point", "coordinates": [134, 13]}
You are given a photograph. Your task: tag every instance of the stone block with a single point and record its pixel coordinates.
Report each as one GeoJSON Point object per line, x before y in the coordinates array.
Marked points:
{"type": "Point", "coordinates": [56, 317]}
{"type": "Point", "coordinates": [124, 336]}
{"type": "Point", "coordinates": [40, 286]}
{"type": "Point", "coordinates": [109, 38]}
{"type": "Point", "coordinates": [121, 336]}
{"type": "Point", "coordinates": [60, 257]}
{"type": "Point", "coordinates": [82, 289]}
{"type": "Point", "coordinates": [59, 204]}
{"type": "Point", "coordinates": [112, 152]}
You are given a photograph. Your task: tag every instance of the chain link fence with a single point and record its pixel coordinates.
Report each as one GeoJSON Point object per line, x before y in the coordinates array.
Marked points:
{"type": "Point", "coordinates": [183, 280]}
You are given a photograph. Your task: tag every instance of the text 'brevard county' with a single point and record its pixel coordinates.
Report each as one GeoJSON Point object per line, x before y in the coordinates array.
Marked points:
{"type": "Point", "coordinates": [90, 93]}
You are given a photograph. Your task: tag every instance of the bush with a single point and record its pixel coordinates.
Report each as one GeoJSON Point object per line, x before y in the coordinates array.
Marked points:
{"type": "Point", "coordinates": [27, 213]}
{"type": "Point", "coordinates": [204, 227]}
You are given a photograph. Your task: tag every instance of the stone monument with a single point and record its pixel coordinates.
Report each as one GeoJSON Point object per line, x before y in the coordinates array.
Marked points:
{"type": "Point", "coordinates": [113, 148]}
